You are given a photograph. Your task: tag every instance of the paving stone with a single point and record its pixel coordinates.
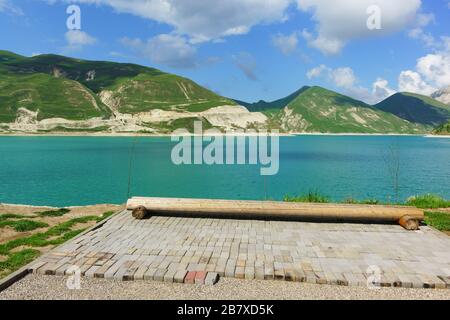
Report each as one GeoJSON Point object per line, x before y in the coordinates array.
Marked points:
{"type": "Point", "coordinates": [172, 248]}
{"type": "Point", "coordinates": [200, 277]}
{"type": "Point", "coordinates": [179, 276]}
{"type": "Point", "coordinates": [211, 278]}
{"type": "Point", "coordinates": [190, 277]}
{"type": "Point", "coordinates": [159, 274]}
{"type": "Point", "coordinates": [150, 273]}
{"type": "Point", "coordinates": [169, 275]}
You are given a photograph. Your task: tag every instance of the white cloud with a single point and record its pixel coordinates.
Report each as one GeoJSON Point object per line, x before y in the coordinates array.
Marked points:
{"type": "Point", "coordinates": [339, 21]}
{"type": "Point", "coordinates": [418, 32]}
{"type": "Point", "coordinates": [317, 71]}
{"type": "Point", "coordinates": [326, 45]}
{"type": "Point", "coordinates": [203, 20]}
{"type": "Point", "coordinates": [410, 81]}
{"type": "Point", "coordinates": [165, 49]}
{"type": "Point", "coordinates": [340, 77]}
{"type": "Point", "coordinates": [77, 39]}
{"type": "Point", "coordinates": [247, 64]}
{"type": "Point", "coordinates": [381, 90]}
{"type": "Point", "coordinates": [432, 71]}
{"type": "Point", "coordinates": [435, 68]}
{"type": "Point", "coordinates": [345, 79]}
{"type": "Point", "coordinates": [6, 6]}
{"type": "Point", "coordinates": [287, 44]}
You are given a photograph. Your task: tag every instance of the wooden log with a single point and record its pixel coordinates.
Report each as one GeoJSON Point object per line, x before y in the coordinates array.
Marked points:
{"type": "Point", "coordinates": [272, 210]}
{"type": "Point", "coordinates": [409, 223]}
{"type": "Point", "coordinates": [140, 213]}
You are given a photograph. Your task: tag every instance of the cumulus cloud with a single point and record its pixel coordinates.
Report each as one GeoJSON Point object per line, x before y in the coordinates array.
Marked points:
{"type": "Point", "coordinates": [410, 81]}
{"type": "Point", "coordinates": [435, 68]}
{"type": "Point", "coordinates": [203, 20]}
{"type": "Point", "coordinates": [344, 78]}
{"type": "Point", "coordinates": [287, 44]}
{"type": "Point", "coordinates": [381, 90]}
{"type": "Point", "coordinates": [339, 21]}
{"type": "Point", "coordinates": [317, 71]}
{"type": "Point", "coordinates": [247, 64]}
{"type": "Point", "coordinates": [77, 39]}
{"type": "Point", "coordinates": [340, 77]}
{"type": "Point", "coordinates": [432, 71]}
{"type": "Point", "coordinates": [165, 49]}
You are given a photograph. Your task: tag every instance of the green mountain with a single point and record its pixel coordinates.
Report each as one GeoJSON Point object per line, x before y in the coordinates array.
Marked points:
{"type": "Point", "coordinates": [48, 93]}
{"type": "Point", "coordinates": [61, 87]}
{"type": "Point", "coordinates": [277, 104]}
{"type": "Point", "coordinates": [317, 109]}
{"type": "Point", "coordinates": [416, 108]}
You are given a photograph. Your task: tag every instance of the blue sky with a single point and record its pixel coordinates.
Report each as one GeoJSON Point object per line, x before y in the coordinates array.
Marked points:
{"type": "Point", "coordinates": [250, 49]}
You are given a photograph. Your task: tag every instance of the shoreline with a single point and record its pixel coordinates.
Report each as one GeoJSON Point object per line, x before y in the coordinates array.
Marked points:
{"type": "Point", "coordinates": [237, 134]}
{"type": "Point", "coordinates": [55, 208]}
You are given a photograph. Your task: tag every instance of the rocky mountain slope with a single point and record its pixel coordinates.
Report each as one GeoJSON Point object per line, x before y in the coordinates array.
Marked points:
{"type": "Point", "coordinates": [317, 109]}
{"type": "Point", "coordinates": [442, 95]}
{"type": "Point", "coordinates": [49, 93]}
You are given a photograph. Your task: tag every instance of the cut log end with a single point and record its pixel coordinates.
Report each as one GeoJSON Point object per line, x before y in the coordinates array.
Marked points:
{"type": "Point", "coordinates": [409, 223]}
{"type": "Point", "coordinates": [140, 213]}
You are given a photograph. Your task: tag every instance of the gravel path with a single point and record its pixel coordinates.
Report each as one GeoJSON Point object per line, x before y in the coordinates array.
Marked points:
{"type": "Point", "coordinates": [53, 287]}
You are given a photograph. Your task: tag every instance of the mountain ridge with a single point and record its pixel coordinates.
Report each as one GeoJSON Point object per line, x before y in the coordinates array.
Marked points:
{"type": "Point", "coordinates": [52, 92]}
{"type": "Point", "coordinates": [416, 108]}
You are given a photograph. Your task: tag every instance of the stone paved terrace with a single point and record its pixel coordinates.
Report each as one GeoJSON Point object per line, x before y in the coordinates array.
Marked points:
{"type": "Point", "coordinates": [172, 249]}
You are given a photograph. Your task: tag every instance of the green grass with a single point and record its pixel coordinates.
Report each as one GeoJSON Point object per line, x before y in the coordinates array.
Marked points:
{"type": "Point", "coordinates": [311, 196]}
{"type": "Point", "coordinates": [23, 225]}
{"type": "Point", "coordinates": [438, 220]}
{"type": "Point", "coordinates": [366, 201]}
{"type": "Point", "coordinates": [8, 216]}
{"type": "Point", "coordinates": [428, 201]}
{"type": "Point", "coordinates": [16, 260]}
{"type": "Point", "coordinates": [53, 236]}
{"type": "Point", "coordinates": [54, 213]}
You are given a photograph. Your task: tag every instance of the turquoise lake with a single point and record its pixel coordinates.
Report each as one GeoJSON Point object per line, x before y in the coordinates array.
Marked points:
{"type": "Point", "coordinates": [69, 171]}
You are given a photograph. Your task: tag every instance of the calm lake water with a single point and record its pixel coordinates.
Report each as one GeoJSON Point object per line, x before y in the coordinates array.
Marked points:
{"type": "Point", "coordinates": [63, 171]}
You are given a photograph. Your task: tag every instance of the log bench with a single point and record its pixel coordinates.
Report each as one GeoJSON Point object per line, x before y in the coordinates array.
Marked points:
{"type": "Point", "coordinates": [407, 217]}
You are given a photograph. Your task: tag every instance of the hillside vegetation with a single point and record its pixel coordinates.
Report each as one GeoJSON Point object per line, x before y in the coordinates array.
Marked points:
{"type": "Point", "coordinates": [320, 110]}
{"type": "Point", "coordinates": [416, 108]}
{"type": "Point", "coordinates": [48, 93]}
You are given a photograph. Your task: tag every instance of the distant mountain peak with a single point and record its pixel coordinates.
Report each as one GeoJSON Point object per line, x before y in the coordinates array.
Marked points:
{"type": "Point", "coordinates": [442, 95]}
{"type": "Point", "coordinates": [262, 105]}
{"type": "Point", "coordinates": [416, 108]}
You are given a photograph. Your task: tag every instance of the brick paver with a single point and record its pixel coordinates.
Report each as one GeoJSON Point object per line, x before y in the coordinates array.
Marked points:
{"type": "Point", "coordinates": [194, 250]}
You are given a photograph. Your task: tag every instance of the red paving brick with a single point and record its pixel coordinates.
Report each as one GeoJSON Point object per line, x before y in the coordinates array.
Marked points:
{"type": "Point", "coordinates": [190, 277]}
{"type": "Point", "coordinates": [200, 277]}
